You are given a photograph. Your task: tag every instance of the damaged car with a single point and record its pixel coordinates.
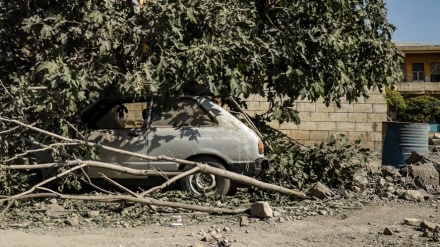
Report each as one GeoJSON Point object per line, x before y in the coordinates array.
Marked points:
{"type": "Point", "coordinates": [193, 128]}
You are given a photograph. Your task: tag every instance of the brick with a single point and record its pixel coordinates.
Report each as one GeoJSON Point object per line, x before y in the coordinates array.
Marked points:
{"type": "Point", "coordinates": [376, 99]}
{"type": "Point", "coordinates": [346, 126]}
{"type": "Point", "coordinates": [375, 136]}
{"type": "Point", "coordinates": [380, 108]}
{"type": "Point", "coordinates": [319, 116]}
{"type": "Point", "coordinates": [319, 135]}
{"type": "Point", "coordinates": [377, 146]}
{"type": "Point", "coordinates": [250, 113]}
{"type": "Point", "coordinates": [358, 107]}
{"type": "Point", "coordinates": [288, 126]}
{"type": "Point", "coordinates": [264, 105]}
{"type": "Point", "coordinates": [286, 132]}
{"type": "Point", "coordinates": [338, 117]}
{"type": "Point", "coordinates": [321, 107]}
{"type": "Point", "coordinates": [308, 126]}
{"type": "Point", "coordinates": [366, 127]}
{"type": "Point", "coordinates": [253, 105]}
{"type": "Point", "coordinates": [345, 107]}
{"type": "Point", "coordinates": [307, 107]}
{"type": "Point", "coordinates": [358, 117]}
{"type": "Point", "coordinates": [369, 145]}
{"type": "Point", "coordinates": [274, 124]}
{"type": "Point", "coordinates": [300, 134]}
{"type": "Point", "coordinates": [377, 117]}
{"type": "Point", "coordinates": [353, 136]}
{"type": "Point", "coordinates": [327, 126]}
{"type": "Point", "coordinates": [305, 116]}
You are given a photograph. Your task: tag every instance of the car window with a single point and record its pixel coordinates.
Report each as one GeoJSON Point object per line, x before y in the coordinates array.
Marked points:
{"type": "Point", "coordinates": [185, 113]}
{"type": "Point", "coordinates": [123, 116]}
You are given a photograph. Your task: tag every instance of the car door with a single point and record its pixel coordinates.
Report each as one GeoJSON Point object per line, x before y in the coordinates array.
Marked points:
{"type": "Point", "coordinates": [177, 133]}
{"type": "Point", "coordinates": [122, 127]}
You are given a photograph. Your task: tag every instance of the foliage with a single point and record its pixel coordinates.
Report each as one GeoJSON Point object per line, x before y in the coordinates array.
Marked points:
{"type": "Point", "coordinates": [80, 50]}
{"type": "Point", "coordinates": [333, 163]}
{"type": "Point", "coordinates": [396, 104]}
{"type": "Point", "coordinates": [421, 109]}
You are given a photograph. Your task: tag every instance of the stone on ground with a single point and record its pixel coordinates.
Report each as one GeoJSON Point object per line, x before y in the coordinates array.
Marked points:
{"type": "Point", "coordinates": [261, 210]}
{"type": "Point", "coordinates": [387, 231]}
{"type": "Point", "coordinates": [412, 222]}
{"type": "Point", "coordinates": [413, 195]}
{"type": "Point", "coordinates": [390, 171]}
{"type": "Point", "coordinates": [425, 175]}
{"type": "Point", "coordinates": [244, 221]}
{"type": "Point", "coordinates": [320, 191]}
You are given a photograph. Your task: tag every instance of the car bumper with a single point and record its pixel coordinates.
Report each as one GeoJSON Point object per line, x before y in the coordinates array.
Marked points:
{"type": "Point", "coordinates": [250, 169]}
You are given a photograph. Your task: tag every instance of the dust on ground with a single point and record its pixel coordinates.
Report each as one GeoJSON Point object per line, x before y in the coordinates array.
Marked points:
{"type": "Point", "coordinates": [355, 226]}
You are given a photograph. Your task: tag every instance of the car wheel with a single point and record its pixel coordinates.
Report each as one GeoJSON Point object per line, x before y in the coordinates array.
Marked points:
{"type": "Point", "coordinates": [205, 183]}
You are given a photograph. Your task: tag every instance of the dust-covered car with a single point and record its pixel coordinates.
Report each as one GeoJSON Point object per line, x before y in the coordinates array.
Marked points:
{"type": "Point", "coordinates": [195, 129]}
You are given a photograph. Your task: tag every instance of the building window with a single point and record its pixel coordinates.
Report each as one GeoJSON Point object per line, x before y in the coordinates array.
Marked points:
{"type": "Point", "coordinates": [403, 69]}
{"type": "Point", "coordinates": [418, 72]}
{"type": "Point", "coordinates": [435, 72]}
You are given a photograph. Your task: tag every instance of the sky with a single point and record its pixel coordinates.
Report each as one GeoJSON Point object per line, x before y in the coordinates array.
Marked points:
{"type": "Point", "coordinates": [415, 20]}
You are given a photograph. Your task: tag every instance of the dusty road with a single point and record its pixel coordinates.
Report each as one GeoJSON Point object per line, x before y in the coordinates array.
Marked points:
{"type": "Point", "coordinates": [355, 227]}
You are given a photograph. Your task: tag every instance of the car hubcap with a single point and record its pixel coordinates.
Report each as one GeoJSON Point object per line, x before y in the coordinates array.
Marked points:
{"type": "Point", "coordinates": [203, 183]}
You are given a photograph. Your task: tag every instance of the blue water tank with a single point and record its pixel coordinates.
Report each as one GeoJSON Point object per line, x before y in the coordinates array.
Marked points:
{"type": "Point", "coordinates": [399, 139]}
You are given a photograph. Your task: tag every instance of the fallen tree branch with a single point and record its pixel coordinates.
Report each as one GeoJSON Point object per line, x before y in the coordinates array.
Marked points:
{"type": "Point", "coordinates": [170, 181]}
{"type": "Point", "coordinates": [147, 200]}
{"type": "Point", "coordinates": [118, 185]}
{"type": "Point", "coordinates": [203, 167]}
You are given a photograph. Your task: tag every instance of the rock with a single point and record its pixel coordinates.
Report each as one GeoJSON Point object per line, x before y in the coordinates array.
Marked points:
{"type": "Point", "coordinates": [244, 221]}
{"type": "Point", "coordinates": [215, 235]}
{"type": "Point", "coordinates": [390, 171]}
{"type": "Point", "coordinates": [436, 136]}
{"type": "Point", "coordinates": [72, 221]}
{"type": "Point", "coordinates": [281, 220]}
{"type": "Point", "coordinates": [382, 182]}
{"type": "Point", "coordinates": [261, 210]}
{"type": "Point", "coordinates": [226, 229]}
{"type": "Point", "coordinates": [426, 225]}
{"type": "Point", "coordinates": [425, 175]}
{"type": "Point", "coordinates": [387, 231]}
{"type": "Point", "coordinates": [276, 214]}
{"type": "Point", "coordinates": [208, 238]}
{"type": "Point", "coordinates": [412, 222]}
{"type": "Point", "coordinates": [427, 234]}
{"type": "Point", "coordinates": [436, 234]}
{"type": "Point", "coordinates": [413, 195]}
{"type": "Point", "coordinates": [55, 210]}
{"type": "Point", "coordinates": [53, 201]}
{"type": "Point", "coordinates": [93, 214]}
{"type": "Point", "coordinates": [360, 181]}
{"type": "Point", "coordinates": [320, 191]}
{"type": "Point", "coordinates": [374, 167]}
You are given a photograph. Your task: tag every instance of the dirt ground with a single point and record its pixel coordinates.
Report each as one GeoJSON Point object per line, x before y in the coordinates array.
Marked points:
{"type": "Point", "coordinates": [362, 226]}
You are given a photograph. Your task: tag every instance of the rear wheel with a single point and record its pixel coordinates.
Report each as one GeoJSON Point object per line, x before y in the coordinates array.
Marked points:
{"type": "Point", "coordinates": [205, 183]}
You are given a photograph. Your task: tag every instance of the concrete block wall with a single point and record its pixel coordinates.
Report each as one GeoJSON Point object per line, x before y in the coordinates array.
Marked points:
{"type": "Point", "coordinates": [358, 121]}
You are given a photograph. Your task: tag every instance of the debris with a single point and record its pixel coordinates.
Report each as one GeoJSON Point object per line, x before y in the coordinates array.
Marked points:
{"type": "Point", "coordinates": [320, 191]}
{"type": "Point", "coordinates": [412, 222]}
{"type": "Point", "coordinates": [390, 171]}
{"type": "Point", "coordinates": [425, 175]}
{"type": "Point", "coordinates": [73, 221]}
{"type": "Point", "coordinates": [360, 180]}
{"type": "Point", "coordinates": [53, 201]}
{"type": "Point", "coordinates": [261, 209]}
{"type": "Point", "coordinates": [374, 167]}
{"type": "Point", "coordinates": [426, 225]}
{"type": "Point", "coordinates": [387, 231]}
{"type": "Point", "coordinates": [244, 221]}
{"type": "Point", "coordinates": [436, 234]}
{"type": "Point", "coordinates": [93, 214]}
{"type": "Point", "coordinates": [226, 229]}
{"type": "Point", "coordinates": [413, 195]}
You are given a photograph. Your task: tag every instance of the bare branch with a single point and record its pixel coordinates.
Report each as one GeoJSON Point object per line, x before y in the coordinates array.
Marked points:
{"type": "Point", "coordinates": [147, 200]}
{"type": "Point", "coordinates": [172, 180]}
{"type": "Point", "coordinates": [118, 185]}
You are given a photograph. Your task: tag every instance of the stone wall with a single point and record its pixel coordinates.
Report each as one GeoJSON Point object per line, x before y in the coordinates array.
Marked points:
{"type": "Point", "coordinates": [359, 121]}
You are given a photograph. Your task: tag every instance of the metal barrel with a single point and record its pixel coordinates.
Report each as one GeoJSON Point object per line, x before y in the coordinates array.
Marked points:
{"type": "Point", "coordinates": [399, 139]}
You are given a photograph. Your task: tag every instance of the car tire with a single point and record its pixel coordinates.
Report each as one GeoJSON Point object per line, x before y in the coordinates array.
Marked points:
{"type": "Point", "coordinates": [204, 183]}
